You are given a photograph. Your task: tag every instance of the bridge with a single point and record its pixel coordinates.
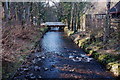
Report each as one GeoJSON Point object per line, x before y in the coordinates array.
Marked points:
{"type": "Point", "coordinates": [50, 25]}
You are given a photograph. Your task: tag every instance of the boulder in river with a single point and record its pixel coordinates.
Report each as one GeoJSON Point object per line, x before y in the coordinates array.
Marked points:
{"type": "Point", "coordinates": [39, 59]}
{"type": "Point", "coordinates": [39, 77]}
{"type": "Point", "coordinates": [54, 66]}
{"type": "Point", "coordinates": [71, 57]}
{"type": "Point", "coordinates": [43, 57]}
{"type": "Point", "coordinates": [25, 69]}
{"type": "Point", "coordinates": [89, 59]}
{"type": "Point", "coordinates": [37, 68]}
{"type": "Point", "coordinates": [46, 69]}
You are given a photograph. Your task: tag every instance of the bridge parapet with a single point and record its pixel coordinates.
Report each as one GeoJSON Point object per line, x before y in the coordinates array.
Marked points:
{"type": "Point", "coordinates": [53, 24]}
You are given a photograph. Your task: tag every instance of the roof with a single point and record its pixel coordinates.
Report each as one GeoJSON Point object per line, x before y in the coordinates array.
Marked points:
{"type": "Point", "coordinates": [97, 8]}
{"type": "Point", "coordinates": [116, 8]}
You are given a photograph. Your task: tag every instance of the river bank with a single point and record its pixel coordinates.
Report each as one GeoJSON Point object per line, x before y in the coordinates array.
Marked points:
{"type": "Point", "coordinates": [102, 52]}
{"type": "Point", "coordinates": [18, 43]}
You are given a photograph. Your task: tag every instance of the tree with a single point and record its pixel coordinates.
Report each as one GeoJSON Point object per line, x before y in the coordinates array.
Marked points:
{"type": "Point", "coordinates": [6, 10]}
{"type": "Point", "coordinates": [107, 27]}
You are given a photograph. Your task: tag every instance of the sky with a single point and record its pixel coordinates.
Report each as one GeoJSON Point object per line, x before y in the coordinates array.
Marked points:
{"type": "Point", "coordinates": [51, 2]}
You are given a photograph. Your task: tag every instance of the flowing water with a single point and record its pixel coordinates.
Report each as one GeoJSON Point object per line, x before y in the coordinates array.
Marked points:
{"type": "Point", "coordinates": [60, 58]}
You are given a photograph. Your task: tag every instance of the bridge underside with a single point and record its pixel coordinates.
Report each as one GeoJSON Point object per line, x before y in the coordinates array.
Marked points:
{"type": "Point", "coordinates": [59, 27]}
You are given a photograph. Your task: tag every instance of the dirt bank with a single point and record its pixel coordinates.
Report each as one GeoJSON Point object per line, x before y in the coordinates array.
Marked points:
{"type": "Point", "coordinates": [18, 42]}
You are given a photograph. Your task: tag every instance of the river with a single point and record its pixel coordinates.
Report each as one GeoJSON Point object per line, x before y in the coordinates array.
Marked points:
{"type": "Point", "coordinates": [61, 58]}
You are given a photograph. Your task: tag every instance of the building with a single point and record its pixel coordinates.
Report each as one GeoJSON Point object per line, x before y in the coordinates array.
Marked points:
{"type": "Point", "coordinates": [115, 11]}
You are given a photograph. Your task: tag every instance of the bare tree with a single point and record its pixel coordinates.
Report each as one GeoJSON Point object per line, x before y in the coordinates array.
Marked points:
{"type": "Point", "coordinates": [107, 27]}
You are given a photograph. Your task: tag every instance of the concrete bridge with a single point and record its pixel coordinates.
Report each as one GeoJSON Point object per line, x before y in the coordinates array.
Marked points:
{"type": "Point", "coordinates": [50, 25]}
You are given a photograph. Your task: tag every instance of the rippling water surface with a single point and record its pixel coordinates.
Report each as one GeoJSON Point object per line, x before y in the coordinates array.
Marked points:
{"type": "Point", "coordinates": [61, 58]}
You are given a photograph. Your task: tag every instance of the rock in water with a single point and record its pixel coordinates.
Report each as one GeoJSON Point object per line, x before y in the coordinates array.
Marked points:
{"type": "Point", "coordinates": [32, 77]}
{"type": "Point", "coordinates": [46, 69]}
{"type": "Point", "coordinates": [26, 69]}
{"type": "Point", "coordinates": [83, 55]}
{"type": "Point", "coordinates": [39, 59]}
{"type": "Point", "coordinates": [43, 57]}
{"type": "Point", "coordinates": [89, 59]}
{"type": "Point", "coordinates": [37, 68]}
{"type": "Point", "coordinates": [75, 60]}
{"type": "Point", "coordinates": [74, 51]}
{"type": "Point", "coordinates": [39, 77]}
{"type": "Point", "coordinates": [34, 61]}
{"type": "Point", "coordinates": [79, 58]}
{"type": "Point", "coordinates": [53, 66]}
{"type": "Point", "coordinates": [71, 57]}
{"type": "Point", "coordinates": [72, 70]}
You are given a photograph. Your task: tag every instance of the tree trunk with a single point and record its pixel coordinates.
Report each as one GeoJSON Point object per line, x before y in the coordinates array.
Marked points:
{"type": "Point", "coordinates": [107, 27]}
{"type": "Point", "coordinates": [6, 10]}
{"type": "Point", "coordinates": [72, 16]}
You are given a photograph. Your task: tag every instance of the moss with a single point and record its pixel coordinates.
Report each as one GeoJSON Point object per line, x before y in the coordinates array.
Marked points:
{"type": "Point", "coordinates": [94, 47]}
{"type": "Point", "coordinates": [82, 42]}
{"type": "Point", "coordinates": [102, 57]}
{"type": "Point", "coordinates": [68, 32]}
{"type": "Point", "coordinates": [96, 55]}
{"type": "Point", "coordinates": [114, 67]}
{"type": "Point", "coordinates": [76, 42]}
{"type": "Point", "coordinates": [109, 65]}
{"type": "Point", "coordinates": [43, 29]}
{"type": "Point", "coordinates": [106, 58]}
{"type": "Point", "coordinates": [91, 51]}
{"type": "Point", "coordinates": [87, 49]}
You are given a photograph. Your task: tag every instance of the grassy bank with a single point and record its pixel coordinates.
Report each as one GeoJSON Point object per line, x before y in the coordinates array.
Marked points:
{"type": "Point", "coordinates": [106, 53]}
{"type": "Point", "coordinates": [18, 42]}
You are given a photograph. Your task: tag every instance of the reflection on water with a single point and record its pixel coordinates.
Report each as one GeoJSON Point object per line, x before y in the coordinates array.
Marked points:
{"type": "Point", "coordinates": [57, 42]}
{"type": "Point", "coordinates": [55, 29]}
{"type": "Point", "coordinates": [52, 41]}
